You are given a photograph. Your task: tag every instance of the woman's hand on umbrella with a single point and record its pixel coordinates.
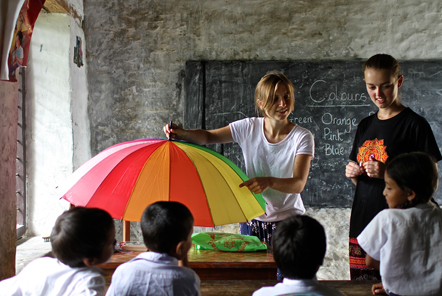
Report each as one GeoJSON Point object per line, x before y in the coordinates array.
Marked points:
{"type": "Point", "coordinates": [173, 132]}
{"type": "Point", "coordinates": [257, 185]}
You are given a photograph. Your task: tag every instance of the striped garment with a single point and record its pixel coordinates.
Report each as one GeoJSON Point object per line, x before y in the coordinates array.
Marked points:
{"type": "Point", "coordinates": [358, 269]}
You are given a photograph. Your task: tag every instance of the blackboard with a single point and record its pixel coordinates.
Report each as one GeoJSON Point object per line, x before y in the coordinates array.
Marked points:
{"type": "Point", "coordinates": [330, 101]}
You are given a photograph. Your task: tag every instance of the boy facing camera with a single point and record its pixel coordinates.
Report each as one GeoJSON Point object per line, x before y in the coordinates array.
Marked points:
{"type": "Point", "coordinates": [163, 270]}
{"type": "Point", "coordinates": [80, 239]}
{"type": "Point", "coordinates": [299, 245]}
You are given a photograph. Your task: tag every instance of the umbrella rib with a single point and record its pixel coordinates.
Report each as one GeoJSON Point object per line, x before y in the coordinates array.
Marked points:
{"type": "Point", "coordinates": [179, 152]}
{"type": "Point", "coordinates": [137, 181]}
{"type": "Point", "coordinates": [233, 166]}
{"type": "Point", "coordinates": [221, 174]}
{"type": "Point", "coordinates": [139, 153]}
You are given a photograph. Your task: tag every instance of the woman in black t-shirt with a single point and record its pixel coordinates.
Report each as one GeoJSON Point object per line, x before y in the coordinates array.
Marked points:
{"type": "Point", "coordinates": [392, 130]}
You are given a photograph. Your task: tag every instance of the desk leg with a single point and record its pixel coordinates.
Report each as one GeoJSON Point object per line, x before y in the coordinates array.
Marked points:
{"type": "Point", "coordinates": [126, 231]}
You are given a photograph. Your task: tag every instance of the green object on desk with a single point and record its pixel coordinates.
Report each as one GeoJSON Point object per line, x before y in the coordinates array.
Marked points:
{"type": "Point", "coordinates": [228, 242]}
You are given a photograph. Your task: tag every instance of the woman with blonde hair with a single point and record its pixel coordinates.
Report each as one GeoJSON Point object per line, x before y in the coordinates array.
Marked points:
{"type": "Point", "coordinates": [277, 152]}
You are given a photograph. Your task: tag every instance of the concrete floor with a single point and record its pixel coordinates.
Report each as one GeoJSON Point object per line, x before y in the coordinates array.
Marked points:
{"type": "Point", "coordinates": [28, 249]}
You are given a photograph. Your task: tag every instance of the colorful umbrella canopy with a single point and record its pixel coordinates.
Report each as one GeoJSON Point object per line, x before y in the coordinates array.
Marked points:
{"type": "Point", "coordinates": [125, 178]}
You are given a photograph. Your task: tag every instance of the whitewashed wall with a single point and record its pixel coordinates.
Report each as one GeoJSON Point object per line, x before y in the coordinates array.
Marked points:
{"type": "Point", "coordinates": [53, 157]}
{"type": "Point", "coordinates": [49, 121]}
{"type": "Point", "coordinates": [79, 98]}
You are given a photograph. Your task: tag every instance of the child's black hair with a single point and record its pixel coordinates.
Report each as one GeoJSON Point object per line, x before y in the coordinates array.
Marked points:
{"type": "Point", "coordinates": [415, 171]}
{"type": "Point", "coordinates": [164, 225]}
{"type": "Point", "coordinates": [299, 246]}
{"type": "Point", "coordinates": [80, 233]}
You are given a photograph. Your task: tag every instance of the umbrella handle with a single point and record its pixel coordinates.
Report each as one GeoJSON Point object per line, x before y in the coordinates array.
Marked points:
{"type": "Point", "coordinates": [170, 126]}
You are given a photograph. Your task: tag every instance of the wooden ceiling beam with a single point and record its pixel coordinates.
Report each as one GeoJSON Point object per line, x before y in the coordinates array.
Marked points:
{"type": "Point", "coordinates": [63, 6]}
{"type": "Point", "coordinates": [56, 6]}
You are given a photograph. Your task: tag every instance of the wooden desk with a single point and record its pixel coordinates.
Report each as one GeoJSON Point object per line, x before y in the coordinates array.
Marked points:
{"type": "Point", "coordinates": [237, 273]}
{"type": "Point", "coordinates": [213, 265]}
{"type": "Point", "coordinates": [246, 288]}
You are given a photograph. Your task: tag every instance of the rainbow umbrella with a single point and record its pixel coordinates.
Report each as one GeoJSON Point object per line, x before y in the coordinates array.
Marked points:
{"type": "Point", "coordinates": [125, 178]}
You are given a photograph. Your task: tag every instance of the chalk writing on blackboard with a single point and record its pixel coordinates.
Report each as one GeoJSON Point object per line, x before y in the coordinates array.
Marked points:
{"type": "Point", "coordinates": [334, 95]}
{"type": "Point", "coordinates": [415, 74]}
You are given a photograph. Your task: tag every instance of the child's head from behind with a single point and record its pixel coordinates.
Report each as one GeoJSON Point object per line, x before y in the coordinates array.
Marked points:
{"type": "Point", "coordinates": [266, 92]}
{"type": "Point", "coordinates": [410, 179]}
{"type": "Point", "coordinates": [83, 237]}
{"type": "Point", "coordinates": [167, 228]}
{"type": "Point", "coordinates": [299, 246]}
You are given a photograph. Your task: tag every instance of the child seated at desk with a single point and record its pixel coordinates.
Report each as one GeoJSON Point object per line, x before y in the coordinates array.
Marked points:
{"type": "Point", "coordinates": [299, 245]}
{"type": "Point", "coordinates": [163, 270]}
{"type": "Point", "coordinates": [405, 241]}
{"type": "Point", "coordinates": [80, 239]}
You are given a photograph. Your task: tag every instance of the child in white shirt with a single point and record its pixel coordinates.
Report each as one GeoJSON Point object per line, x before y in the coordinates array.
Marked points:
{"type": "Point", "coordinates": [80, 239]}
{"type": "Point", "coordinates": [299, 246]}
{"type": "Point", "coordinates": [405, 241]}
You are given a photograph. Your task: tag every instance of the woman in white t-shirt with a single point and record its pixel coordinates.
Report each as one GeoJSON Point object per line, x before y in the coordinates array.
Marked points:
{"type": "Point", "coordinates": [405, 241]}
{"type": "Point", "coordinates": [277, 152]}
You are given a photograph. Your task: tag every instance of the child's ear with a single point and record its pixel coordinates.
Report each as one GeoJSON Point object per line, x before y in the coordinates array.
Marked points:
{"type": "Point", "coordinates": [180, 250]}
{"type": "Point", "coordinates": [90, 261]}
{"type": "Point", "coordinates": [411, 195]}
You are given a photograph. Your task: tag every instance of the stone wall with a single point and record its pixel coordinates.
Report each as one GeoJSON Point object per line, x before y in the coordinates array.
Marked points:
{"type": "Point", "coordinates": [137, 50]}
